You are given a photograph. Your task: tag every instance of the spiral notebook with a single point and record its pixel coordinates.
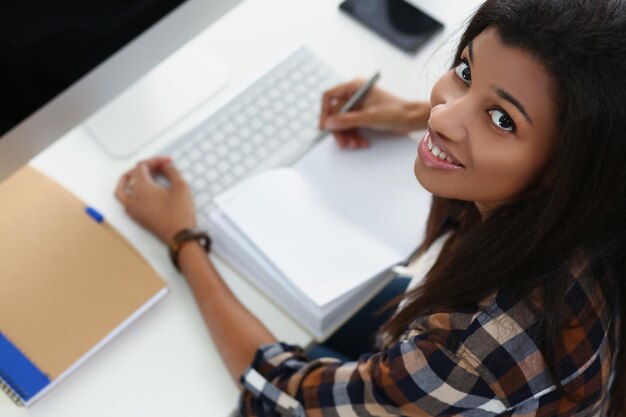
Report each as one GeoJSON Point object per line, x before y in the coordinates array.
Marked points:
{"type": "Point", "coordinates": [69, 284]}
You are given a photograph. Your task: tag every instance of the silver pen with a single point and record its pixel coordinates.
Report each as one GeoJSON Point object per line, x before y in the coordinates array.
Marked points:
{"type": "Point", "coordinates": [349, 105]}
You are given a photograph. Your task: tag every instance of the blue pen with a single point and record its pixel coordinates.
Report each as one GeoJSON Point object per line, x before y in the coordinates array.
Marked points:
{"type": "Point", "coordinates": [94, 214]}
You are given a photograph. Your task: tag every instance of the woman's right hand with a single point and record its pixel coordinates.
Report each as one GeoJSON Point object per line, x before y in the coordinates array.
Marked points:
{"type": "Point", "coordinates": [164, 211]}
{"type": "Point", "coordinates": [379, 110]}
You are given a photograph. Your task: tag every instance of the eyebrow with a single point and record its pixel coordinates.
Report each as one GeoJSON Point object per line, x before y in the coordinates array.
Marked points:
{"type": "Point", "coordinates": [500, 92]}
{"type": "Point", "coordinates": [508, 97]}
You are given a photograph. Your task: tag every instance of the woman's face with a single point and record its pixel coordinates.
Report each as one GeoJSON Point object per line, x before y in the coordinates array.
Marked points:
{"type": "Point", "coordinates": [492, 125]}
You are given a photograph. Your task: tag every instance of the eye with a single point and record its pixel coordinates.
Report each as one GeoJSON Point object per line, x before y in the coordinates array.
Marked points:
{"type": "Point", "coordinates": [502, 120]}
{"type": "Point", "coordinates": [463, 72]}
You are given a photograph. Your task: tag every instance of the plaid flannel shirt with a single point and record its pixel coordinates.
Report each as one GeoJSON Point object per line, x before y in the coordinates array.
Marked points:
{"type": "Point", "coordinates": [482, 362]}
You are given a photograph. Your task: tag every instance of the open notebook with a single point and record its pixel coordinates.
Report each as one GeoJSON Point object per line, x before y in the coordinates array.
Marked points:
{"type": "Point", "coordinates": [68, 284]}
{"type": "Point", "coordinates": [319, 237]}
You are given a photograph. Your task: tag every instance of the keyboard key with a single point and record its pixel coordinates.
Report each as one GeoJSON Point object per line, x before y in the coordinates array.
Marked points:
{"type": "Point", "coordinates": [211, 175]}
{"type": "Point", "coordinates": [221, 150]}
{"type": "Point", "coordinates": [234, 157]}
{"type": "Point", "coordinates": [239, 170]}
{"type": "Point", "coordinates": [257, 139]}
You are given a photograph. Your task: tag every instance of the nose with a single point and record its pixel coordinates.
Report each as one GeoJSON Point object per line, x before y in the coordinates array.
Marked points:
{"type": "Point", "coordinates": [450, 114]}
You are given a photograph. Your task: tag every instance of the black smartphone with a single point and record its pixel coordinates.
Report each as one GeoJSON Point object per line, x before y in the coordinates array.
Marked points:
{"type": "Point", "coordinates": [401, 23]}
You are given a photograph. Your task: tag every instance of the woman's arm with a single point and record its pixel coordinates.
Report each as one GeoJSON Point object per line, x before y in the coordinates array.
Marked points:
{"type": "Point", "coordinates": [164, 212]}
{"type": "Point", "coordinates": [236, 332]}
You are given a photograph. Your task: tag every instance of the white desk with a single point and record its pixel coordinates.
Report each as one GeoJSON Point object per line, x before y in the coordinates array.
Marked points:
{"type": "Point", "coordinates": [166, 364]}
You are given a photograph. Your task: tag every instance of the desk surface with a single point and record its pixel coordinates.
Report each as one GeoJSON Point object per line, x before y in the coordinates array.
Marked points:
{"type": "Point", "coordinates": [166, 364]}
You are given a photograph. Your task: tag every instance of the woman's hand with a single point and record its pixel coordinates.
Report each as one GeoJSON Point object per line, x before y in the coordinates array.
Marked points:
{"type": "Point", "coordinates": [379, 110]}
{"type": "Point", "coordinates": [163, 211]}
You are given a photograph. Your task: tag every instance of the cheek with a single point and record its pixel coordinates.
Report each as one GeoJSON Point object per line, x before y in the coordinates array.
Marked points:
{"type": "Point", "coordinates": [507, 170]}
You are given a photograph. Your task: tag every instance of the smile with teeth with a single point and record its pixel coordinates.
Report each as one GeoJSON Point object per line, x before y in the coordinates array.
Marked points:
{"type": "Point", "coordinates": [438, 153]}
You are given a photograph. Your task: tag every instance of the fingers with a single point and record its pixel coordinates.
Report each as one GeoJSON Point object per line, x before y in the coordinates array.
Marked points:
{"type": "Point", "coordinates": [157, 163]}
{"type": "Point", "coordinates": [120, 192]}
{"type": "Point", "coordinates": [131, 185]}
{"type": "Point", "coordinates": [137, 178]}
{"type": "Point", "coordinates": [144, 174]}
{"type": "Point", "coordinates": [333, 99]}
{"type": "Point", "coordinates": [172, 174]}
{"type": "Point", "coordinates": [350, 139]}
{"type": "Point", "coordinates": [352, 120]}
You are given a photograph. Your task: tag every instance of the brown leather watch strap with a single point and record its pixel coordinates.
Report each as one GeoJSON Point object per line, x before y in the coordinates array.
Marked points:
{"type": "Point", "coordinates": [184, 236]}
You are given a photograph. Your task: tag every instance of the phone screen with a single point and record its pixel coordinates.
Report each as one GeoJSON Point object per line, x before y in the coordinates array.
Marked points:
{"type": "Point", "coordinates": [401, 23]}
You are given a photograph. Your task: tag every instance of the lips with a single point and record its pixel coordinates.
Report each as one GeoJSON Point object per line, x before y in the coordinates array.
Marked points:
{"type": "Point", "coordinates": [434, 154]}
{"type": "Point", "coordinates": [436, 141]}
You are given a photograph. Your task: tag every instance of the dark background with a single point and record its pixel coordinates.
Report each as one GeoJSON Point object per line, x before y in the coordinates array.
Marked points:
{"type": "Point", "coordinates": [46, 45]}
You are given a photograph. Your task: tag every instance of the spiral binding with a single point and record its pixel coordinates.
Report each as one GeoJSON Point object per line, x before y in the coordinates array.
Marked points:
{"type": "Point", "coordinates": [13, 395]}
{"type": "Point", "coordinates": [14, 387]}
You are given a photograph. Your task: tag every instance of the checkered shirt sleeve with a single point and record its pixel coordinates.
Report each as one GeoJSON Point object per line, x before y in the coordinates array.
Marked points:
{"type": "Point", "coordinates": [475, 364]}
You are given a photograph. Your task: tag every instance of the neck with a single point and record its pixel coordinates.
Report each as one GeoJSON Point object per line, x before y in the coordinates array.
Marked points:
{"type": "Point", "coordinates": [485, 208]}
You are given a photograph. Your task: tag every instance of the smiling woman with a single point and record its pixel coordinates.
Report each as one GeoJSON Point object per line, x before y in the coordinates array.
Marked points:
{"type": "Point", "coordinates": [534, 106]}
{"type": "Point", "coordinates": [517, 303]}
{"type": "Point", "coordinates": [493, 115]}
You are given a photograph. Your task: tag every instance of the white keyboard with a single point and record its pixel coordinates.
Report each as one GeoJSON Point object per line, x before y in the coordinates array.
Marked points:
{"type": "Point", "coordinates": [266, 125]}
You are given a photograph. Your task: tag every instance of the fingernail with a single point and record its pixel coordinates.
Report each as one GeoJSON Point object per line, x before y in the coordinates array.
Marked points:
{"type": "Point", "coordinates": [330, 123]}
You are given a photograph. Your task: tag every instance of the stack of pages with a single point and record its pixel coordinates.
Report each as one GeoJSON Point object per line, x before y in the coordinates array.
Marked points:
{"type": "Point", "coordinates": [319, 237]}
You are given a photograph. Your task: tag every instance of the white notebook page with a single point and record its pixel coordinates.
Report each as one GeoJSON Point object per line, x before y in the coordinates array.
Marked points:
{"type": "Point", "coordinates": [375, 187]}
{"type": "Point", "coordinates": [319, 249]}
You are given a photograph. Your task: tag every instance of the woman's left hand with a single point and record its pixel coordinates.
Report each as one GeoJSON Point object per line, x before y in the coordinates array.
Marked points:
{"type": "Point", "coordinates": [164, 211]}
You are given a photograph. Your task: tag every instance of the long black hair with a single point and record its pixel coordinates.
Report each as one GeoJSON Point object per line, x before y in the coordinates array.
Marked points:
{"type": "Point", "coordinates": [575, 210]}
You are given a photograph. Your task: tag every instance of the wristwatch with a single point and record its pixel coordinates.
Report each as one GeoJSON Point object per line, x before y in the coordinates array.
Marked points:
{"type": "Point", "coordinates": [184, 236]}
